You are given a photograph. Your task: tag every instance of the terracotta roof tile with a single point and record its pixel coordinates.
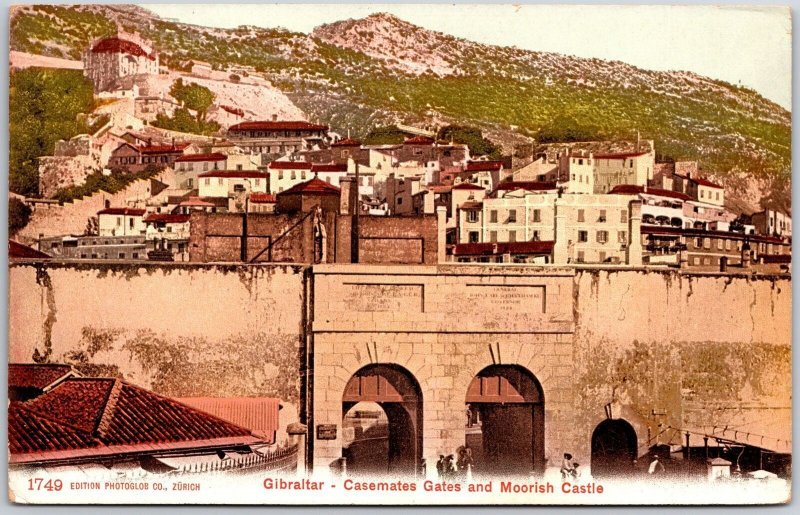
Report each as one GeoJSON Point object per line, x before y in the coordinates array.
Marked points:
{"type": "Point", "coordinates": [632, 189]}
{"type": "Point", "coordinates": [118, 45]}
{"type": "Point", "coordinates": [313, 187]}
{"type": "Point", "coordinates": [418, 140]}
{"type": "Point", "coordinates": [127, 211]}
{"type": "Point", "coordinates": [484, 166]}
{"type": "Point", "coordinates": [235, 174]}
{"type": "Point", "coordinates": [34, 375]}
{"type": "Point", "coordinates": [262, 198]}
{"type": "Point", "coordinates": [278, 125]}
{"type": "Point", "coordinates": [290, 165]}
{"type": "Point", "coordinates": [489, 249]}
{"type": "Point", "coordinates": [466, 186]}
{"type": "Point", "coordinates": [347, 142]}
{"type": "Point", "coordinates": [215, 156]}
{"type": "Point", "coordinates": [19, 251]}
{"type": "Point", "coordinates": [29, 431]}
{"type": "Point", "coordinates": [329, 168]}
{"type": "Point", "coordinates": [166, 218]}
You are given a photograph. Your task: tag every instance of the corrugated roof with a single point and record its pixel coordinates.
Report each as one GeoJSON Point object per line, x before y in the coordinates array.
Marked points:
{"type": "Point", "coordinates": [259, 414]}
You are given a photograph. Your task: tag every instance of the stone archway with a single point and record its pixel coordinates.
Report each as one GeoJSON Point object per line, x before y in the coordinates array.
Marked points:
{"type": "Point", "coordinates": [505, 421]}
{"type": "Point", "coordinates": [399, 396]}
{"type": "Point", "coordinates": [614, 447]}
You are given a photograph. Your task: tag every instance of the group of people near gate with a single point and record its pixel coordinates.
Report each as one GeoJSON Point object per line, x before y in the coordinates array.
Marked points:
{"type": "Point", "coordinates": [569, 467]}
{"type": "Point", "coordinates": [450, 468]}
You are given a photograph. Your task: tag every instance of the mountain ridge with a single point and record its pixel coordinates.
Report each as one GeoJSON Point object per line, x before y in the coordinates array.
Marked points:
{"type": "Point", "coordinates": [378, 70]}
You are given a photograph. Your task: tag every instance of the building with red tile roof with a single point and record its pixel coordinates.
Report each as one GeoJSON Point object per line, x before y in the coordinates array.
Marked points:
{"type": "Point", "coordinates": [28, 380]}
{"type": "Point", "coordinates": [17, 250]}
{"type": "Point", "coordinates": [110, 59]}
{"type": "Point", "coordinates": [279, 137]}
{"type": "Point", "coordinates": [97, 420]}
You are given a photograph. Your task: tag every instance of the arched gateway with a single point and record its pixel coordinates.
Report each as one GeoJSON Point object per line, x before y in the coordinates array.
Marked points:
{"type": "Point", "coordinates": [505, 421]}
{"type": "Point", "coordinates": [613, 448]}
{"type": "Point", "coordinates": [395, 448]}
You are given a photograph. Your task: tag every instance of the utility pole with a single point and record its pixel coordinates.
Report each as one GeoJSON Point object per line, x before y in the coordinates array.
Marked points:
{"type": "Point", "coordinates": [244, 228]}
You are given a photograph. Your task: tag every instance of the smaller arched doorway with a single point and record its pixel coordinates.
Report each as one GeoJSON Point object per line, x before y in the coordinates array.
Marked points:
{"type": "Point", "coordinates": [614, 448]}
{"type": "Point", "coordinates": [383, 406]}
{"type": "Point", "coordinates": [505, 421]}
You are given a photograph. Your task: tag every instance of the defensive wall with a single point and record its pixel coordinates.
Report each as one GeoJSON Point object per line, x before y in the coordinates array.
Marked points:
{"type": "Point", "coordinates": [659, 349]}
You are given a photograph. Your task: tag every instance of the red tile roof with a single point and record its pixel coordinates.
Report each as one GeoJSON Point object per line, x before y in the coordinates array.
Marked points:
{"type": "Point", "coordinates": [235, 174]}
{"type": "Point", "coordinates": [17, 250]}
{"type": "Point", "coordinates": [484, 166]}
{"type": "Point", "coordinates": [705, 182]}
{"type": "Point", "coordinates": [196, 202]}
{"type": "Point", "coordinates": [418, 140]}
{"type": "Point", "coordinates": [166, 218]}
{"type": "Point", "coordinates": [632, 189]}
{"type": "Point", "coordinates": [281, 125]}
{"type": "Point", "coordinates": [127, 211]}
{"type": "Point", "coordinates": [262, 198]}
{"type": "Point", "coordinates": [34, 375]}
{"type": "Point", "coordinates": [91, 412]}
{"type": "Point", "coordinates": [466, 186]}
{"type": "Point", "coordinates": [215, 156]}
{"type": "Point", "coordinates": [347, 142]}
{"type": "Point", "coordinates": [329, 168]}
{"type": "Point", "coordinates": [313, 187]}
{"type": "Point", "coordinates": [620, 155]}
{"type": "Point", "coordinates": [290, 165]}
{"type": "Point", "coordinates": [122, 46]}
{"type": "Point", "coordinates": [162, 149]}
{"type": "Point", "coordinates": [489, 249]}
{"type": "Point", "coordinates": [29, 431]}
{"type": "Point", "coordinates": [440, 188]}
{"type": "Point", "coordinates": [527, 185]}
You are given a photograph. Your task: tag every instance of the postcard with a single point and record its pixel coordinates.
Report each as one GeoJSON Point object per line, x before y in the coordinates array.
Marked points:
{"type": "Point", "coordinates": [399, 254]}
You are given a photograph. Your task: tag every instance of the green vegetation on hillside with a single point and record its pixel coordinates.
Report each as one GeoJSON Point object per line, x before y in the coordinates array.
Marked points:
{"type": "Point", "coordinates": [473, 138]}
{"type": "Point", "coordinates": [385, 135]}
{"type": "Point", "coordinates": [117, 181]}
{"type": "Point", "coordinates": [69, 30]}
{"type": "Point", "coordinates": [191, 96]}
{"type": "Point", "coordinates": [44, 106]}
{"type": "Point", "coordinates": [18, 215]}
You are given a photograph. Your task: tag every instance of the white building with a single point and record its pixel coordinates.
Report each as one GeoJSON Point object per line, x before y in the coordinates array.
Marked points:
{"type": "Point", "coordinates": [285, 174]}
{"type": "Point", "coordinates": [231, 183]}
{"type": "Point", "coordinates": [112, 58]}
{"type": "Point", "coordinates": [773, 223]}
{"type": "Point", "coordinates": [121, 221]}
{"type": "Point", "coordinates": [616, 169]}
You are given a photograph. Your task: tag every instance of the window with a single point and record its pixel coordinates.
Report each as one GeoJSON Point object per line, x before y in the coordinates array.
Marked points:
{"type": "Point", "coordinates": [493, 236]}
{"type": "Point", "coordinates": [622, 236]}
{"type": "Point", "coordinates": [717, 195]}
{"type": "Point", "coordinates": [280, 175]}
{"type": "Point", "coordinates": [583, 236]}
{"type": "Point", "coordinates": [698, 242]}
{"type": "Point", "coordinates": [581, 257]}
{"type": "Point", "coordinates": [294, 175]}
{"type": "Point", "coordinates": [537, 236]}
{"type": "Point", "coordinates": [706, 243]}
{"type": "Point", "coordinates": [130, 223]}
{"type": "Point", "coordinates": [122, 255]}
{"type": "Point", "coordinates": [473, 236]}
{"type": "Point", "coordinates": [702, 193]}
{"type": "Point", "coordinates": [258, 182]}
{"type": "Point", "coordinates": [220, 181]}
{"type": "Point", "coordinates": [727, 244]}
{"type": "Point", "coordinates": [472, 216]}
{"type": "Point", "coordinates": [207, 182]}
{"type": "Point", "coordinates": [602, 217]}
{"type": "Point", "coordinates": [135, 255]}
{"type": "Point", "coordinates": [707, 261]}
{"type": "Point", "coordinates": [696, 261]}
{"type": "Point", "coordinates": [303, 175]}
{"type": "Point", "coordinates": [512, 236]}
{"type": "Point", "coordinates": [328, 179]}
{"type": "Point", "coordinates": [205, 166]}
{"type": "Point", "coordinates": [580, 161]}
{"type": "Point", "coordinates": [399, 201]}
{"type": "Point", "coordinates": [493, 216]}
{"type": "Point", "coordinates": [602, 236]}
{"type": "Point", "coordinates": [601, 257]}
{"type": "Point", "coordinates": [573, 176]}
{"type": "Point", "coordinates": [512, 216]}
{"type": "Point", "coordinates": [239, 167]}
{"type": "Point", "coordinates": [119, 221]}
{"type": "Point", "coordinates": [623, 216]}
{"type": "Point", "coordinates": [581, 215]}
{"type": "Point", "coordinates": [719, 244]}
{"type": "Point", "coordinates": [537, 215]}
{"type": "Point", "coordinates": [190, 183]}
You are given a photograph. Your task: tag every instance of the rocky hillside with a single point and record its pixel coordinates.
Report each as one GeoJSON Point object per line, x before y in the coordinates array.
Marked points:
{"type": "Point", "coordinates": [379, 70]}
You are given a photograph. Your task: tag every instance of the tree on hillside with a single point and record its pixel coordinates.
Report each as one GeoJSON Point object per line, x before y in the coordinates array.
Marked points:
{"type": "Point", "coordinates": [18, 215]}
{"type": "Point", "coordinates": [472, 137]}
{"type": "Point", "coordinates": [193, 96]}
{"type": "Point", "coordinates": [566, 128]}
{"type": "Point", "coordinates": [384, 135]}
{"type": "Point", "coordinates": [44, 105]}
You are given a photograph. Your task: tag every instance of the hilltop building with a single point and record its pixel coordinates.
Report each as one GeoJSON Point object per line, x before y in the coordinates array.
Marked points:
{"type": "Point", "coordinates": [112, 58]}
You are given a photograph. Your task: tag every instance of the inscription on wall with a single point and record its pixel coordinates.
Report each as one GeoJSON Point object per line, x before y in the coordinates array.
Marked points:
{"type": "Point", "coordinates": [514, 299]}
{"type": "Point", "coordinates": [384, 297]}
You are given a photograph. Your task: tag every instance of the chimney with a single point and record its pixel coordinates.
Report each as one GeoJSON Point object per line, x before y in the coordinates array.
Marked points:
{"type": "Point", "coordinates": [274, 117]}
